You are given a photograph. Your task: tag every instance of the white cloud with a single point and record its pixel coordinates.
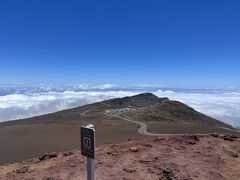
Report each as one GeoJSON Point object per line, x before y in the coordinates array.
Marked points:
{"type": "Point", "coordinates": [91, 86]}
{"type": "Point", "coordinates": [17, 106]}
{"type": "Point", "coordinates": [223, 106]}
{"type": "Point", "coordinates": [165, 92]}
{"type": "Point", "coordinates": [104, 86]}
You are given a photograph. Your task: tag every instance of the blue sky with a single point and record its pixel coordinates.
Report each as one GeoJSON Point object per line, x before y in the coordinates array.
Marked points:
{"type": "Point", "coordinates": [171, 43]}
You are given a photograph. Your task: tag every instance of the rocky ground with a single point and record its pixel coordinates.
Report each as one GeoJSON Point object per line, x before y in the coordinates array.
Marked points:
{"type": "Point", "coordinates": [166, 158]}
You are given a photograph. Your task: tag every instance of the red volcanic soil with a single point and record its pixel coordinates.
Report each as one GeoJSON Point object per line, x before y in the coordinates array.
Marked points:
{"type": "Point", "coordinates": [175, 157]}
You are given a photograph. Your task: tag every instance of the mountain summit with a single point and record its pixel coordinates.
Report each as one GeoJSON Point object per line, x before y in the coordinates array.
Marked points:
{"type": "Point", "coordinates": [149, 107]}
{"type": "Point", "coordinates": [143, 99]}
{"type": "Point", "coordinates": [115, 120]}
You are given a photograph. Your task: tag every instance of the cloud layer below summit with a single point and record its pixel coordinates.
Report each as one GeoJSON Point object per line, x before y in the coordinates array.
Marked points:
{"type": "Point", "coordinates": [27, 102]}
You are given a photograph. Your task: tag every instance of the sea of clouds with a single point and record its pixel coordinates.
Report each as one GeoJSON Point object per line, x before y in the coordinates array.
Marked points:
{"type": "Point", "coordinates": [21, 101]}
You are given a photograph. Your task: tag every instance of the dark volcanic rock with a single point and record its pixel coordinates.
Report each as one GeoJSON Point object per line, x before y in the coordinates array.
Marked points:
{"type": "Point", "coordinates": [48, 156]}
{"type": "Point", "coordinates": [148, 145]}
{"type": "Point", "coordinates": [235, 155]}
{"type": "Point", "coordinates": [68, 153]}
{"type": "Point", "coordinates": [48, 178]}
{"type": "Point", "coordinates": [167, 175]}
{"type": "Point", "coordinates": [23, 170]}
{"type": "Point", "coordinates": [215, 135]}
{"type": "Point", "coordinates": [227, 137]}
{"type": "Point", "coordinates": [111, 153]}
{"type": "Point", "coordinates": [196, 138]}
{"type": "Point", "coordinates": [72, 165]}
{"type": "Point", "coordinates": [192, 140]}
{"type": "Point", "coordinates": [233, 136]}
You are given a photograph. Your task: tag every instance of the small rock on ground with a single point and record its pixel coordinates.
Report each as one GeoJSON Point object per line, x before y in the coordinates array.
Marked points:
{"type": "Point", "coordinates": [23, 170]}
{"type": "Point", "coordinates": [166, 175]}
{"type": "Point", "coordinates": [129, 170]}
{"type": "Point", "coordinates": [68, 153]}
{"type": "Point", "coordinates": [134, 149]}
{"type": "Point", "coordinates": [48, 156]}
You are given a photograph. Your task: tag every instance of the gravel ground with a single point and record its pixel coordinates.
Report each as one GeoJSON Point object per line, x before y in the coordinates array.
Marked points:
{"type": "Point", "coordinates": [175, 157]}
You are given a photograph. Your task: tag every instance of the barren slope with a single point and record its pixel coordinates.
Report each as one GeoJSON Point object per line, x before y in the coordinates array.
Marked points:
{"type": "Point", "coordinates": [176, 157]}
{"type": "Point", "coordinates": [148, 115]}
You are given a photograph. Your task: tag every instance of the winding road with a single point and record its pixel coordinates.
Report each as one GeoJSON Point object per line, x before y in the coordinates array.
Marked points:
{"type": "Point", "coordinates": [141, 130]}
{"type": "Point", "coordinates": [143, 127]}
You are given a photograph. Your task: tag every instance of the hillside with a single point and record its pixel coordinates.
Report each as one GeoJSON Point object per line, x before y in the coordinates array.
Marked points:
{"type": "Point", "coordinates": [173, 111]}
{"type": "Point", "coordinates": [115, 121]}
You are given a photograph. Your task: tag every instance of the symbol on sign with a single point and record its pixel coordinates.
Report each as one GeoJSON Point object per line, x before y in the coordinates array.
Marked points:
{"type": "Point", "coordinates": [87, 142]}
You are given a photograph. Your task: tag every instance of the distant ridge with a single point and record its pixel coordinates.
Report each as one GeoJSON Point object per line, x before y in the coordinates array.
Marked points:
{"type": "Point", "coordinates": [154, 108]}
{"type": "Point", "coordinates": [143, 99]}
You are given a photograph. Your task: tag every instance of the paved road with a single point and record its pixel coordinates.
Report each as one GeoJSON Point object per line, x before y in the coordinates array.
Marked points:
{"type": "Point", "coordinates": [143, 127]}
